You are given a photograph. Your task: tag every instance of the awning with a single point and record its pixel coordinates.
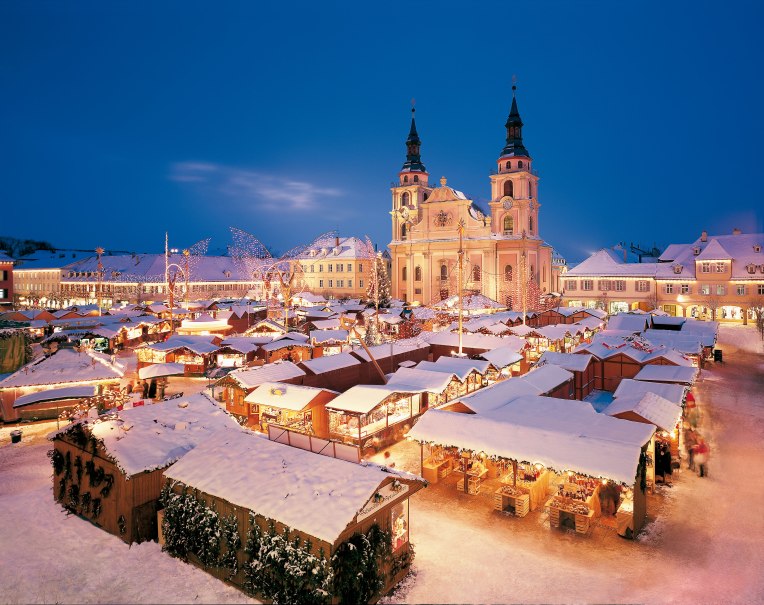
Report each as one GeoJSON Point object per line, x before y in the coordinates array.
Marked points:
{"type": "Point", "coordinates": [80, 392]}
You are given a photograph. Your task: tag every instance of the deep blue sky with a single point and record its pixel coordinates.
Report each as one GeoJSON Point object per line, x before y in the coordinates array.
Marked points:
{"type": "Point", "coordinates": [119, 121]}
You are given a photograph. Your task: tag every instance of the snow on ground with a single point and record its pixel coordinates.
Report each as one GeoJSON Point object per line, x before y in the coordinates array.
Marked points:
{"type": "Point", "coordinates": [701, 543]}
{"type": "Point", "coordinates": [48, 556]}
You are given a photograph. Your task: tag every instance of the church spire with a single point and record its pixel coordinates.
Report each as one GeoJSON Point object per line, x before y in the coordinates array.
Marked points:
{"type": "Point", "coordinates": [514, 126]}
{"type": "Point", "coordinates": [413, 161]}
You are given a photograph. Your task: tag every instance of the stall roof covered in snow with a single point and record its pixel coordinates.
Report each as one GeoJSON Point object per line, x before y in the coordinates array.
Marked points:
{"type": "Point", "coordinates": [314, 494]}
{"type": "Point", "coordinates": [629, 321]}
{"type": "Point", "coordinates": [244, 344]}
{"type": "Point", "coordinates": [287, 396]}
{"type": "Point", "coordinates": [502, 357]}
{"type": "Point", "coordinates": [415, 380]}
{"type": "Point", "coordinates": [397, 347]}
{"type": "Point", "coordinates": [327, 363]}
{"type": "Point", "coordinates": [363, 398]}
{"type": "Point", "coordinates": [497, 395]}
{"type": "Point", "coordinates": [323, 337]}
{"type": "Point", "coordinates": [65, 366]}
{"type": "Point", "coordinates": [547, 377]}
{"type": "Point", "coordinates": [249, 378]}
{"type": "Point", "coordinates": [629, 387]}
{"type": "Point", "coordinates": [199, 344]}
{"type": "Point", "coordinates": [152, 436]}
{"type": "Point", "coordinates": [560, 434]}
{"type": "Point", "coordinates": [677, 374]}
{"type": "Point", "coordinates": [469, 341]}
{"type": "Point", "coordinates": [573, 362]}
{"type": "Point", "coordinates": [157, 370]}
{"type": "Point", "coordinates": [79, 392]}
{"type": "Point", "coordinates": [459, 367]}
{"type": "Point", "coordinates": [653, 408]}
{"type": "Point", "coordinates": [684, 342]}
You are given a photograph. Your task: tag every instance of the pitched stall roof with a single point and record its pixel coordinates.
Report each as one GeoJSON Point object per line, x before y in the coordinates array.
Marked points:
{"type": "Point", "coordinates": [675, 374]}
{"type": "Point", "coordinates": [314, 494]}
{"type": "Point", "coordinates": [653, 408]}
{"type": "Point", "coordinates": [65, 366]}
{"type": "Point", "coordinates": [363, 398]}
{"type": "Point", "coordinates": [272, 372]}
{"type": "Point", "coordinates": [628, 387]}
{"type": "Point", "coordinates": [153, 436]}
{"type": "Point", "coordinates": [573, 362]}
{"type": "Point", "coordinates": [287, 396]}
{"type": "Point", "coordinates": [574, 437]}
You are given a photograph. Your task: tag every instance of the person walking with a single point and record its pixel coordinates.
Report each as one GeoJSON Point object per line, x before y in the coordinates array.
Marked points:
{"type": "Point", "coordinates": [702, 452]}
{"type": "Point", "coordinates": [690, 443]}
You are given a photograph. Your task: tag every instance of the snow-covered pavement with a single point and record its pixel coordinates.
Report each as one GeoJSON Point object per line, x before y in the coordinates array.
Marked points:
{"type": "Point", "coordinates": [703, 547]}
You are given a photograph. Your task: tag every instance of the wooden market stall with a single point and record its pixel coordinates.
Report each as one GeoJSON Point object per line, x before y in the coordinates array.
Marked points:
{"type": "Point", "coordinates": [296, 407]}
{"type": "Point", "coordinates": [319, 504]}
{"type": "Point", "coordinates": [558, 453]}
{"type": "Point", "coordinates": [108, 470]}
{"type": "Point", "coordinates": [196, 352]}
{"type": "Point", "coordinates": [581, 366]}
{"type": "Point", "coordinates": [373, 416]}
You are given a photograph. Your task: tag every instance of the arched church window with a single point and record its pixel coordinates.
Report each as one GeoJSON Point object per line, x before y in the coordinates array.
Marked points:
{"type": "Point", "coordinates": [443, 272]}
{"type": "Point", "coordinates": [417, 273]}
{"type": "Point", "coordinates": [476, 273]}
{"type": "Point", "coordinates": [416, 178]}
{"type": "Point", "coordinates": [520, 164]}
{"type": "Point", "coordinates": [509, 165]}
{"type": "Point", "coordinates": [507, 272]}
{"type": "Point", "coordinates": [530, 224]}
{"type": "Point", "coordinates": [509, 224]}
{"type": "Point", "coordinates": [405, 199]}
{"type": "Point", "coordinates": [405, 178]}
{"type": "Point", "coordinates": [404, 274]}
{"type": "Point", "coordinates": [403, 231]}
{"type": "Point", "coordinates": [509, 188]}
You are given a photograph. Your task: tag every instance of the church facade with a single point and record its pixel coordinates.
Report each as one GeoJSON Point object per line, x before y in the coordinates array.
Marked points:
{"type": "Point", "coordinates": [503, 257]}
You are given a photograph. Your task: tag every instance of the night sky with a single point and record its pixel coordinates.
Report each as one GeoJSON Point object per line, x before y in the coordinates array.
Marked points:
{"type": "Point", "coordinates": [119, 121]}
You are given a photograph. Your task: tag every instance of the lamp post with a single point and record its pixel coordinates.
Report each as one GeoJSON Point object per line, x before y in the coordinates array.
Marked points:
{"type": "Point", "coordinates": [99, 253]}
{"type": "Point", "coordinates": [459, 282]}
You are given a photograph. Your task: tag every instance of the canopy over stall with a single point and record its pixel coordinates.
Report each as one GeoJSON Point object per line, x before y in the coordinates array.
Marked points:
{"type": "Point", "coordinates": [161, 369]}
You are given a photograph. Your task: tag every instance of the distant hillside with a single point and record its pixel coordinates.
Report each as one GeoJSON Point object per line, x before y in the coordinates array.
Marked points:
{"type": "Point", "coordinates": [15, 247]}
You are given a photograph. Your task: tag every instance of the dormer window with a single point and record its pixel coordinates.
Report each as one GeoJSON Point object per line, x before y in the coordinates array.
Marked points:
{"type": "Point", "coordinates": [696, 250]}
{"type": "Point", "coordinates": [751, 268]}
{"type": "Point", "coordinates": [228, 274]}
{"type": "Point", "coordinates": [756, 248]}
{"type": "Point", "coordinates": [678, 269]}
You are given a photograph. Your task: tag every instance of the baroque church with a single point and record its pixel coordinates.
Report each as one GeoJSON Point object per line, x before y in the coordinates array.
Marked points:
{"type": "Point", "coordinates": [503, 253]}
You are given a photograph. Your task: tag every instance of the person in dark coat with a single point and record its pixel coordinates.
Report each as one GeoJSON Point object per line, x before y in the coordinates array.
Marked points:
{"type": "Point", "coordinates": [145, 389]}
{"type": "Point", "coordinates": [665, 456]}
{"type": "Point", "coordinates": [152, 389]}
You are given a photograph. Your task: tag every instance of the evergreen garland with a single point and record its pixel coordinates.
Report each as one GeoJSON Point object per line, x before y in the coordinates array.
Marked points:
{"type": "Point", "coordinates": [356, 563]}
{"type": "Point", "coordinates": [96, 508]}
{"type": "Point", "coordinates": [122, 523]}
{"type": "Point", "coordinates": [230, 530]}
{"type": "Point", "coordinates": [62, 490]}
{"type": "Point", "coordinates": [74, 497]}
{"type": "Point", "coordinates": [78, 468]}
{"type": "Point", "coordinates": [86, 500]}
{"type": "Point", "coordinates": [190, 527]}
{"type": "Point", "coordinates": [284, 570]}
{"type": "Point", "coordinates": [57, 460]}
{"type": "Point", "coordinates": [67, 466]}
{"type": "Point", "coordinates": [109, 479]}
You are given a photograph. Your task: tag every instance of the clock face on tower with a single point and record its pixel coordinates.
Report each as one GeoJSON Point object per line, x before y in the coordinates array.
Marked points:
{"type": "Point", "coordinates": [507, 204]}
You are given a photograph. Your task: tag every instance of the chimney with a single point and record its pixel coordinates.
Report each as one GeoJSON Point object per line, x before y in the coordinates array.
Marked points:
{"type": "Point", "coordinates": [736, 231]}
{"type": "Point", "coordinates": [704, 236]}
{"type": "Point", "coordinates": [337, 241]}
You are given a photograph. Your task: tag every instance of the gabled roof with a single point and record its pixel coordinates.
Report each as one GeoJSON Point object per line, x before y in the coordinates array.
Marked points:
{"type": "Point", "coordinates": [461, 368]}
{"type": "Point", "coordinates": [573, 362]}
{"type": "Point", "coordinates": [714, 251]}
{"type": "Point", "coordinates": [363, 398]}
{"type": "Point", "coordinates": [65, 366]}
{"type": "Point", "coordinates": [271, 372]}
{"type": "Point", "coordinates": [629, 387]}
{"type": "Point", "coordinates": [287, 396]}
{"type": "Point", "coordinates": [328, 363]}
{"type": "Point", "coordinates": [653, 408]}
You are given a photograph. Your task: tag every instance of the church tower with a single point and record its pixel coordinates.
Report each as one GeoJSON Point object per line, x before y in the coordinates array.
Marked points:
{"type": "Point", "coordinates": [411, 189]}
{"type": "Point", "coordinates": [514, 185]}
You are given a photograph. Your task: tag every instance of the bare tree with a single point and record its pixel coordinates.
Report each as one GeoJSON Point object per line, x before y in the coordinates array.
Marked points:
{"type": "Point", "coordinates": [756, 306]}
{"type": "Point", "coordinates": [713, 301]}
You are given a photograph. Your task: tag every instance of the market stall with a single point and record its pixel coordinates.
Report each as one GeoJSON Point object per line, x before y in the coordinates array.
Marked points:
{"type": "Point", "coordinates": [296, 407]}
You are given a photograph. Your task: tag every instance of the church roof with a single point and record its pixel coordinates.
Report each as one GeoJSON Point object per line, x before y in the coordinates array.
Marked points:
{"type": "Point", "coordinates": [445, 193]}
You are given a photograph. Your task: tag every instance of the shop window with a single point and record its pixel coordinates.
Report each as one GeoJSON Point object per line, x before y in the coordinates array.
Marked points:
{"type": "Point", "coordinates": [509, 225]}
{"type": "Point", "coordinates": [399, 523]}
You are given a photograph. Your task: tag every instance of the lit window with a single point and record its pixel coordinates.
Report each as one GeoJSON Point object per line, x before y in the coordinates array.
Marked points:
{"type": "Point", "coordinates": [399, 517]}
{"type": "Point", "coordinates": [705, 289]}
{"type": "Point", "coordinates": [720, 289]}
{"type": "Point", "coordinates": [740, 290]}
{"type": "Point", "coordinates": [705, 267]}
{"type": "Point", "coordinates": [684, 289]}
{"type": "Point", "coordinates": [509, 225]}
{"type": "Point", "coordinates": [669, 288]}
{"type": "Point", "coordinates": [720, 268]}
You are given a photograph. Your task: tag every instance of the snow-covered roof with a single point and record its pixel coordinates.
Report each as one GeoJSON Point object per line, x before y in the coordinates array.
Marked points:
{"type": "Point", "coordinates": [707, 330]}
{"type": "Point", "coordinates": [637, 348]}
{"type": "Point", "coordinates": [589, 323]}
{"type": "Point", "coordinates": [629, 387]}
{"type": "Point", "coordinates": [320, 337]}
{"type": "Point", "coordinates": [249, 378]}
{"type": "Point", "coordinates": [65, 366]}
{"type": "Point", "coordinates": [153, 436]}
{"type": "Point", "coordinates": [560, 434]}
{"type": "Point", "coordinates": [470, 341]}
{"type": "Point", "coordinates": [326, 324]}
{"type": "Point", "coordinates": [470, 302]}
{"type": "Point", "coordinates": [244, 344]}
{"type": "Point", "coordinates": [79, 392]}
{"type": "Point", "coordinates": [573, 362]}
{"type": "Point", "coordinates": [502, 357]}
{"type": "Point", "coordinates": [714, 251]}
{"type": "Point", "coordinates": [676, 374]}
{"type": "Point", "coordinates": [287, 396]}
{"type": "Point", "coordinates": [547, 377]}
{"type": "Point", "coordinates": [557, 331]}
{"type": "Point", "coordinates": [498, 394]}
{"type": "Point", "coordinates": [684, 342]}
{"type": "Point", "coordinates": [653, 408]}
{"type": "Point", "coordinates": [415, 380]}
{"type": "Point", "coordinates": [317, 495]}
{"type": "Point", "coordinates": [283, 343]}
{"type": "Point", "coordinates": [742, 249]}
{"type": "Point", "coordinates": [363, 398]}
{"type": "Point", "coordinates": [459, 367]}
{"type": "Point", "coordinates": [397, 347]}
{"type": "Point", "coordinates": [161, 369]}
{"type": "Point", "coordinates": [629, 321]}
{"type": "Point", "coordinates": [608, 263]}
{"type": "Point", "coordinates": [327, 363]}
{"type": "Point", "coordinates": [199, 344]}
{"type": "Point", "coordinates": [521, 330]}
